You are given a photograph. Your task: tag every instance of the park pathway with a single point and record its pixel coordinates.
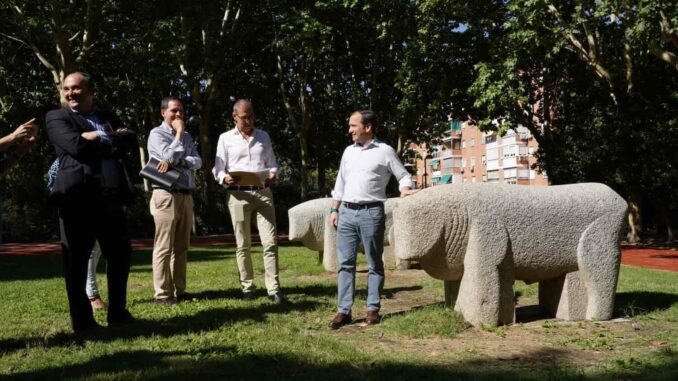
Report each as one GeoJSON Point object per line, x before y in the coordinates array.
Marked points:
{"type": "Point", "coordinates": [649, 255]}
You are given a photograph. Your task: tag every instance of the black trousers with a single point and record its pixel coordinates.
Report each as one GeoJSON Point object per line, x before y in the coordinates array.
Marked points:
{"type": "Point", "coordinates": [82, 224]}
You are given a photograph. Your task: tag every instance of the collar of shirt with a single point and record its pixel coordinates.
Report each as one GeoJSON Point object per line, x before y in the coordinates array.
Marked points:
{"type": "Point", "coordinates": [373, 142]}
{"type": "Point", "coordinates": [93, 119]}
{"type": "Point", "coordinates": [167, 127]}
{"type": "Point", "coordinates": [253, 135]}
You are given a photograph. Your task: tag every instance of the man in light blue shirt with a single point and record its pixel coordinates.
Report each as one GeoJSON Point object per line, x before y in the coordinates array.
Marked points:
{"type": "Point", "coordinates": [172, 208]}
{"type": "Point", "coordinates": [366, 167]}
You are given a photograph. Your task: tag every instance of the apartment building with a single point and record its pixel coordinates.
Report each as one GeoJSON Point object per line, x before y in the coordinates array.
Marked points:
{"type": "Point", "coordinates": [467, 155]}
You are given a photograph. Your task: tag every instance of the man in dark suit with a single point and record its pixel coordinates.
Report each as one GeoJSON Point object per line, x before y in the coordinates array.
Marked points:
{"type": "Point", "coordinates": [89, 191]}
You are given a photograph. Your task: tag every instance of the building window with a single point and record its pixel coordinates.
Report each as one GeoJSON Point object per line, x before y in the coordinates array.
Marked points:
{"type": "Point", "coordinates": [463, 144]}
{"type": "Point", "coordinates": [472, 143]}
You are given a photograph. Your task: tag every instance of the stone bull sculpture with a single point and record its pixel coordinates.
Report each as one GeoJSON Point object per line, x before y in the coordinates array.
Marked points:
{"type": "Point", "coordinates": [309, 224]}
{"type": "Point", "coordinates": [481, 237]}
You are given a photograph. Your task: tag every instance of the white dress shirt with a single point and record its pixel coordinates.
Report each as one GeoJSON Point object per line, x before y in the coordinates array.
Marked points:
{"type": "Point", "coordinates": [365, 171]}
{"type": "Point", "coordinates": [235, 153]}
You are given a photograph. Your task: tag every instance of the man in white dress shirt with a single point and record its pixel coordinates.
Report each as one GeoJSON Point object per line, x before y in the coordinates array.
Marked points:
{"type": "Point", "coordinates": [366, 167]}
{"type": "Point", "coordinates": [249, 149]}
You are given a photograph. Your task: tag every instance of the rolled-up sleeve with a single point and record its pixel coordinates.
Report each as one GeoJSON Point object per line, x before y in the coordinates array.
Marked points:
{"type": "Point", "coordinates": [398, 169]}
{"type": "Point", "coordinates": [338, 191]}
{"type": "Point", "coordinates": [220, 169]}
{"type": "Point", "coordinates": [159, 149]}
{"type": "Point", "coordinates": [193, 159]}
{"type": "Point", "coordinates": [269, 156]}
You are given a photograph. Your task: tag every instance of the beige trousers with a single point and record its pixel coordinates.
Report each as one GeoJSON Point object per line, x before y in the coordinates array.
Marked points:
{"type": "Point", "coordinates": [173, 216]}
{"type": "Point", "coordinates": [242, 205]}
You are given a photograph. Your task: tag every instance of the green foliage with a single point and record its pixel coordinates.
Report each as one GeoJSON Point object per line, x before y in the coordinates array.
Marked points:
{"type": "Point", "coordinates": [595, 108]}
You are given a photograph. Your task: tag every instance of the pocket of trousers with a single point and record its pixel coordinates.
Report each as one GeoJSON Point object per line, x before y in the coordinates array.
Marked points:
{"type": "Point", "coordinates": [162, 200]}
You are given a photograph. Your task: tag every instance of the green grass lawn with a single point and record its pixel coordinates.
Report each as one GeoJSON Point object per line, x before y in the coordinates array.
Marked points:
{"type": "Point", "coordinates": [219, 336]}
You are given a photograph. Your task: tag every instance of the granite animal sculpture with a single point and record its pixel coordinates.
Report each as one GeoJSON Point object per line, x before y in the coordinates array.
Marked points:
{"type": "Point", "coordinates": [482, 237]}
{"type": "Point", "coordinates": [309, 224]}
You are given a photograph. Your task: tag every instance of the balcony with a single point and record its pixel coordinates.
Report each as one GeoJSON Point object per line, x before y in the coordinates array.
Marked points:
{"type": "Point", "coordinates": [515, 150]}
{"type": "Point", "coordinates": [492, 165]}
{"type": "Point", "coordinates": [452, 162]}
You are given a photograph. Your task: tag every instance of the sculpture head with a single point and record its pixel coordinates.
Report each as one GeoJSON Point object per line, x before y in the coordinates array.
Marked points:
{"type": "Point", "coordinates": [306, 222]}
{"type": "Point", "coordinates": [416, 231]}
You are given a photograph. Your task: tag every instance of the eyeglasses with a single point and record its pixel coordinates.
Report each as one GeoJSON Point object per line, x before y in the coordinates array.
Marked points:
{"type": "Point", "coordinates": [246, 117]}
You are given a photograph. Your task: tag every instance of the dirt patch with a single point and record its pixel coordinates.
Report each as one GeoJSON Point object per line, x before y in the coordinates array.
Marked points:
{"type": "Point", "coordinates": [535, 340]}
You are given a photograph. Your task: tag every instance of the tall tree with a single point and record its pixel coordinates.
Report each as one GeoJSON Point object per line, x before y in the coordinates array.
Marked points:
{"type": "Point", "coordinates": [578, 74]}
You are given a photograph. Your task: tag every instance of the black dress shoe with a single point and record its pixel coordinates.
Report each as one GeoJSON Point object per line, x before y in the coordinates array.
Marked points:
{"type": "Point", "coordinates": [121, 318]}
{"type": "Point", "coordinates": [340, 320]}
{"type": "Point", "coordinates": [89, 327]}
{"type": "Point", "coordinates": [248, 296]}
{"type": "Point", "coordinates": [279, 298]}
{"type": "Point", "coordinates": [168, 301]}
{"type": "Point", "coordinates": [184, 297]}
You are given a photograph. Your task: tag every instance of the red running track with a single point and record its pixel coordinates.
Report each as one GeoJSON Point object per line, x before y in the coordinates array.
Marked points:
{"type": "Point", "coordinates": [653, 257]}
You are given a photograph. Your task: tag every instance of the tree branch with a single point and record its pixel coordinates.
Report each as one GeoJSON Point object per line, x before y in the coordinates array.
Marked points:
{"type": "Point", "coordinates": [91, 30]}
{"type": "Point", "coordinates": [585, 55]}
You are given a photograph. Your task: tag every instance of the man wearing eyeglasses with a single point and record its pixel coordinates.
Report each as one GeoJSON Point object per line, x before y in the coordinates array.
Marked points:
{"type": "Point", "coordinates": [249, 149]}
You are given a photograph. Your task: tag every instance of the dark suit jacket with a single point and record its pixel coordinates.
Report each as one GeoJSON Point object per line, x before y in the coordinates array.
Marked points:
{"type": "Point", "coordinates": [79, 158]}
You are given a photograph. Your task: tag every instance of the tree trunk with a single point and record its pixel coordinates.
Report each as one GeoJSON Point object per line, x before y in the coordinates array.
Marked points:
{"type": "Point", "coordinates": [306, 120]}
{"type": "Point", "coordinates": [635, 221]}
{"type": "Point", "coordinates": [207, 154]}
{"type": "Point", "coordinates": [664, 217]}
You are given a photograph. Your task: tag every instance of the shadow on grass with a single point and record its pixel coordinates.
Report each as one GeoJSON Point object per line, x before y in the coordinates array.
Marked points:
{"type": "Point", "coordinates": [206, 320]}
{"type": "Point", "coordinates": [630, 304]}
{"type": "Point", "coordinates": [234, 293]}
{"type": "Point", "coordinates": [29, 267]}
{"type": "Point", "coordinates": [307, 290]}
{"type": "Point", "coordinates": [225, 362]}
{"type": "Point", "coordinates": [46, 266]}
{"type": "Point", "coordinates": [627, 304]}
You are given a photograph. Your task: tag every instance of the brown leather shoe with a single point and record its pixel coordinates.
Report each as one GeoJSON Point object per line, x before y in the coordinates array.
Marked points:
{"type": "Point", "coordinates": [372, 317]}
{"type": "Point", "coordinates": [340, 320]}
{"type": "Point", "coordinates": [97, 303]}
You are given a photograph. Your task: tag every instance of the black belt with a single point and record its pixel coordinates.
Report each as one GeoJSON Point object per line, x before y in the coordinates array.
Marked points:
{"type": "Point", "coordinates": [369, 205]}
{"type": "Point", "coordinates": [245, 187]}
{"type": "Point", "coordinates": [174, 191]}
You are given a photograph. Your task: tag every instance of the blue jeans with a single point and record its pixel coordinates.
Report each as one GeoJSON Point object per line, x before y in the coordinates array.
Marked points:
{"type": "Point", "coordinates": [91, 287]}
{"type": "Point", "coordinates": [364, 226]}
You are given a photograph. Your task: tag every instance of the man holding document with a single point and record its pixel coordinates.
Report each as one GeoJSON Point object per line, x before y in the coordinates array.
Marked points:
{"type": "Point", "coordinates": [175, 157]}
{"type": "Point", "coordinates": [245, 165]}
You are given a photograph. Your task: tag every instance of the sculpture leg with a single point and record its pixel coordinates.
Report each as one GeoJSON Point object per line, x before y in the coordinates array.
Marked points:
{"type": "Point", "coordinates": [486, 290]}
{"type": "Point", "coordinates": [598, 257]}
{"type": "Point", "coordinates": [451, 292]}
{"type": "Point", "coordinates": [330, 247]}
{"type": "Point", "coordinates": [389, 256]}
{"type": "Point", "coordinates": [564, 297]}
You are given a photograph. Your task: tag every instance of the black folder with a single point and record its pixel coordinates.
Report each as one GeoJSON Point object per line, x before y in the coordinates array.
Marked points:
{"type": "Point", "coordinates": [166, 180]}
